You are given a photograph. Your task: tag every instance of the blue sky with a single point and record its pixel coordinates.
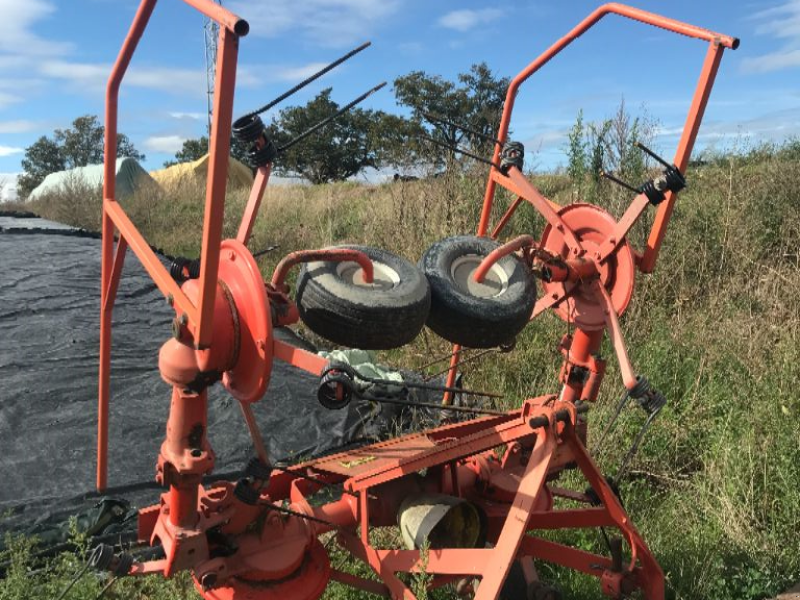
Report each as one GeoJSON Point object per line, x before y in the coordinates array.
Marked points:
{"type": "Point", "coordinates": [55, 56]}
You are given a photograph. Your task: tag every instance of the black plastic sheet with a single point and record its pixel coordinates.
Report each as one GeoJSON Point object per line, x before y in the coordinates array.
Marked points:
{"type": "Point", "coordinates": [49, 338]}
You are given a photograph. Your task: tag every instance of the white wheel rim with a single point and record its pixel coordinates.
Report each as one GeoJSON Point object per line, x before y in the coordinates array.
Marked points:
{"type": "Point", "coordinates": [494, 284]}
{"type": "Point", "coordinates": [384, 276]}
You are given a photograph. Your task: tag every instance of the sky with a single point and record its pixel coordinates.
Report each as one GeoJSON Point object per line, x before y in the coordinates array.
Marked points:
{"type": "Point", "coordinates": [55, 57]}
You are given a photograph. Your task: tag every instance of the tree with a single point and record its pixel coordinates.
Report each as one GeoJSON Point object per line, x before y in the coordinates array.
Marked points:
{"type": "Point", "coordinates": [339, 150]}
{"type": "Point", "coordinates": [397, 141]}
{"type": "Point", "coordinates": [191, 150]}
{"type": "Point", "coordinates": [78, 146]}
{"type": "Point", "coordinates": [476, 103]}
{"type": "Point", "coordinates": [197, 148]}
{"type": "Point", "coordinates": [41, 158]}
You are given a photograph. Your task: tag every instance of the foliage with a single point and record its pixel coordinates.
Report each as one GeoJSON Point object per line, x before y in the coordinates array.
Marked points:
{"type": "Point", "coordinates": [78, 146]}
{"type": "Point", "coordinates": [196, 148]}
{"type": "Point", "coordinates": [476, 102]}
{"type": "Point", "coordinates": [714, 487]}
{"type": "Point", "coordinates": [339, 150]}
{"type": "Point", "coordinates": [608, 146]}
{"type": "Point", "coordinates": [576, 153]}
{"type": "Point", "coordinates": [192, 149]}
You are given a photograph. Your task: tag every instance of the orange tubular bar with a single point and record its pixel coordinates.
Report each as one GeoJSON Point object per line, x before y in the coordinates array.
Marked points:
{"type": "Point", "coordinates": [253, 204]}
{"type": "Point", "coordinates": [716, 39]}
{"type": "Point", "coordinates": [518, 243]}
{"type": "Point", "coordinates": [717, 43]}
{"type": "Point", "coordinates": [684, 151]}
{"type": "Point", "coordinates": [326, 255]}
{"type": "Point", "coordinates": [114, 218]}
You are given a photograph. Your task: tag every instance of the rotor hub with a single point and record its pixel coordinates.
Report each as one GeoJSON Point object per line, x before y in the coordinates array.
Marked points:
{"type": "Point", "coordinates": [592, 226]}
{"type": "Point", "coordinates": [241, 347]}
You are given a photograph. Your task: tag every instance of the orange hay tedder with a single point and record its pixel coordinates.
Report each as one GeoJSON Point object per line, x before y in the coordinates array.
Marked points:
{"type": "Point", "coordinates": [469, 514]}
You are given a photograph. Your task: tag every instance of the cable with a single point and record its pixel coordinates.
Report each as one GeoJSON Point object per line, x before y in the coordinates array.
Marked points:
{"type": "Point", "coordinates": [106, 587]}
{"type": "Point", "coordinates": [80, 574]}
{"type": "Point", "coordinates": [443, 407]}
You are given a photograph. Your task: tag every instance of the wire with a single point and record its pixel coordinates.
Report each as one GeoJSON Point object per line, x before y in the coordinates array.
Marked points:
{"type": "Point", "coordinates": [75, 580]}
{"type": "Point", "coordinates": [106, 587]}
{"type": "Point", "coordinates": [443, 407]}
{"type": "Point", "coordinates": [410, 384]}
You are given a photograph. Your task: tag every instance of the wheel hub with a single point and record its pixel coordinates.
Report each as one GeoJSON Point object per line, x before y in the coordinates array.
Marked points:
{"type": "Point", "coordinates": [383, 276]}
{"type": "Point", "coordinates": [493, 284]}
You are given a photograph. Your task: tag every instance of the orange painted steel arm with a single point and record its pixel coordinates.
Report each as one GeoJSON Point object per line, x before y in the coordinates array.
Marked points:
{"type": "Point", "coordinates": [150, 261]}
{"type": "Point", "coordinates": [253, 204]}
{"type": "Point", "coordinates": [518, 243]}
{"type": "Point", "coordinates": [215, 185]}
{"type": "Point", "coordinates": [546, 302]}
{"type": "Point", "coordinates": [547, 55]}
{"type": "Point", "coordinates": [116, 271]}
{"type": "Point", "coordinates": [232, 27]}
{"type": "Point", "coordinates": [303, 359]}
{"type": "Point", "coordinates": [516, 524]}
{"type": "Point", "coordinates": [545, 207]}
{"type": "Point", "coordinates": [684, 151]}
{"type": "Point", "coordinates": [329, 255]}
{"type": "Point", "coordinates": [615, 335]}
{"type": "Point", "coordinates": [623, 226]}
{"type": "Point", "coordinates": [452, 373]}
{"type": "Point", "coordinates": [107, 244]}
{"type": "Point", "coordinates": [501, 224]}
{"type": "Point", "coordinates": [221, 16]}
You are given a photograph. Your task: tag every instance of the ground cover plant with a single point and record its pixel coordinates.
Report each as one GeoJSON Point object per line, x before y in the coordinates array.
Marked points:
{"type": "Point", "coordinates": [715, 490]}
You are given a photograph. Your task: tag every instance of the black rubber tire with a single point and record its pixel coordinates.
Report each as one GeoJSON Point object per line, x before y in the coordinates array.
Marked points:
{"type": "Point", "coordinates": [459, 315]}
{"type": "Point", "coordinates": [370, 318]}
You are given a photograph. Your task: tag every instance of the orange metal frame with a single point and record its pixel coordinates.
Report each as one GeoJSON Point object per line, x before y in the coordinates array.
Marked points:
{"type": "Point", "coordinates": [542, 437]}
{"type": "Point", "coordinates": [199, 315]}
{"type": "Point", "coordinates": [516, 183]}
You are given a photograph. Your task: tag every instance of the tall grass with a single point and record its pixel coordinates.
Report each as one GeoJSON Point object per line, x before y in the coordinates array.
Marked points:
{"type": "Point", "coordinates": [716, 488]}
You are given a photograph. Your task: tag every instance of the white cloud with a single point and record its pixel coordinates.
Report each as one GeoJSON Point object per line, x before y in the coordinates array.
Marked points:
{"type": "Point", "coordinates": [18, 126]}
{"type": "Point", "coordinates": [780, 22]}
{"type": "Point", "coordinates": [9, 150]}
{"type": "Point", "coordinates": [773, 126]}
{"type": "Point", "coordinates": [464, 20]}
{"type": "Point", "coordinates": [166, 144]}
{"type": "Point", "coordinates": [16, 36]}
{"type": "Point", "coordinates": [93, 76]}
{"type": "Point", "coordinates": [7, 99]}
{"type": "Point", "coordinates": [326, 22]}
{"type": "Point", "coordinates": [774, 61]}
{"type": "Point", "coordinates": [194, 116]}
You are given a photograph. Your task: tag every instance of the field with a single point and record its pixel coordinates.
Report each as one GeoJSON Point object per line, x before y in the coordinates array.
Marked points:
{"type": "Point", "coordinates": [715, 489]}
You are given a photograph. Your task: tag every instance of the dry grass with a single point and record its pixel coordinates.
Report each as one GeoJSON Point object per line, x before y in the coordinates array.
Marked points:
{"type": "Point", "coordinates": [716, 488]}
